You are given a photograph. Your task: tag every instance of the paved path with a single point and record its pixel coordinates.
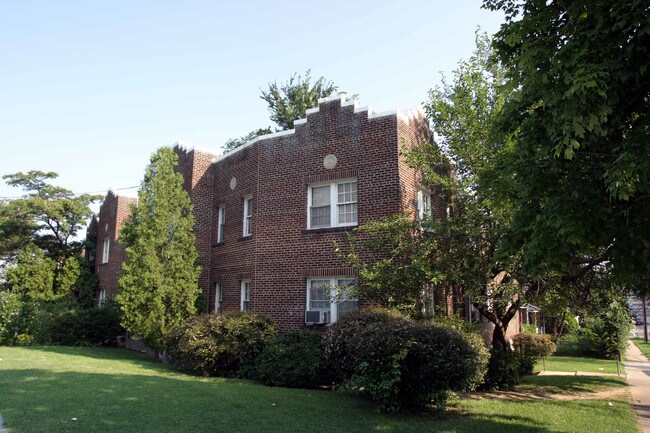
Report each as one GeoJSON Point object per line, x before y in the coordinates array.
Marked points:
{"type": "Point", "coordinates": [637, 368]}
{"type": "Point", "coordinates": [2, 429]}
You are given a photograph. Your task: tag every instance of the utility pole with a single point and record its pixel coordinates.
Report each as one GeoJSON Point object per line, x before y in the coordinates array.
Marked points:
{"type": "Point", "coordinates": [645, 322]}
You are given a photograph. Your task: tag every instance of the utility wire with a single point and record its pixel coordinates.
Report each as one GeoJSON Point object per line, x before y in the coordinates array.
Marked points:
{"type": "Point", "coordinates": [77, 193]}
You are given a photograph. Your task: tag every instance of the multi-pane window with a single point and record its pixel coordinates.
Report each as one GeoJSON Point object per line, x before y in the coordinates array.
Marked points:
{"type": "Point", "coordinates": [245, 295]}
{"type": "Point", "coordinates": [330, 295]}
{"type": "Point", "coordinates": [221, 223]}
{"type": "Point", "coordinates": [248, 215]}
{"type": "Point", "coordinates": [218, 297]}
{"type": "Point", "coordinates": [106, 250]}
{"type": "Point", "coordinates": [424, 204]}
{"type": "Point", "coordinates": [333, 204]}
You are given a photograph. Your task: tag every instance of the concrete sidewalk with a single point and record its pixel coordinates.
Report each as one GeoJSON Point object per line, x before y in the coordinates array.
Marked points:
{"type": "Point", "coordinates": [637, 368]}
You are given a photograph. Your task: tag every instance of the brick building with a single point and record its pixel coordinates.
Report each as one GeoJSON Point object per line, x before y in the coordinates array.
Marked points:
{"type": "Point", "coordinates": [109, 253]}
{"type": "Point", "coordinates": [268, 213]}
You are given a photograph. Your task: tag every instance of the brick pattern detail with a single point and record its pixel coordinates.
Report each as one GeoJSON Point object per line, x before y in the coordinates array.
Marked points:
{"type": "Point", "coordinates": [112, 214]}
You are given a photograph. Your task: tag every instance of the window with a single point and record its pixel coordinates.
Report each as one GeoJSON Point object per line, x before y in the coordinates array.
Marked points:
{"type": "Point", "coordinates": [330, 295]}
{"type": "Point", "coordinates": [424, 204]}
{"type": "Point", "coordinates": [333, 204]}
{"type": "Point", "coordinates": [248, 215]}
{"type": "Point", "coordinates": [245, 295]}
{"type": "Point", "coordinates": [102, 297]}
{"type": "Point", "coordinates": [106, 251]}
{"type": "Point", "coordinates": [218, 298]}
{"type": "Point", "coordinates": [221, 224]}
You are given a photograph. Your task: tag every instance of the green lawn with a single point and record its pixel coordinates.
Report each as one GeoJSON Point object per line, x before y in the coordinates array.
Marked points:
{"type": "Point", "coordinates": [643, 346]}
{"type": "Point", "coordinates": [113, 390]}
{"type": "Point", "coordinates": [574, 363]}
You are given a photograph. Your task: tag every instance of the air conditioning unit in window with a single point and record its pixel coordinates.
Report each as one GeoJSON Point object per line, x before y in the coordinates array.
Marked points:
{"type": "Point", "coordinates": [317, 317]}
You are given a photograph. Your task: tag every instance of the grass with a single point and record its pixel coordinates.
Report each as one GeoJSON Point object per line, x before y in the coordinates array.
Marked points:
{"type": "Point", "coordinates": [570, 384]}
{"type": "Point", "coordinates": [43, 388]}
{"type": "Point", "coordinates": [575, 363]}
{"type": "Point", "coordinates": [643, 346]}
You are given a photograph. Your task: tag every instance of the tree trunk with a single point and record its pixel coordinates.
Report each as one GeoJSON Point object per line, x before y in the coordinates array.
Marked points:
{"type": "Point", "coordinates": [499, 341]}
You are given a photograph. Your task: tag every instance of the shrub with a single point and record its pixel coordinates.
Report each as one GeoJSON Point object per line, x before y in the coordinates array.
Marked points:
{"type": "Point", "coordinates": [529, 328]}
{"type": "Point", "coordinates": [293, 360]}
{"type": "Point", "coordinates": [570, 325]}
{"type": "Point", "coordinates": [400, 363]}
{"type": "Point", "coordinates": [10, 311]}
{"type": "Point", "coordinates": [574, 344]}
{"type": "Point", "coordinates": [220, 344]}
{"type": "Point", "coordinates": [503, 370]}
{"type": "Point", "coordinates": [98, 326]}
{"type": "Point", "coordinates": [608, 331]}
{"type": "Point", "coordinates": [530, 347]}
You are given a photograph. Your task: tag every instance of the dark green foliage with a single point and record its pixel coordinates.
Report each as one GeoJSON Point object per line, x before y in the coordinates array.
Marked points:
{"type": "Point", "coordinates": [98, 326]}
{"type": "Point", "coordinates": [293, 360]}
{"type": "Point", "coordinates": [234, 143]}
{"type": "Point", "coordinates": [159, 282]}
{"type": "Point", "coordinates": [581, 121]}
{"type": "Point", "coordinates": [290, 101]}
{"type": "Point", "coordinates": [402, 364]}
{"type": "Point", "coordinates": [575, 344]}
{"type": "Point", "coordinates": [503, 372]}
{"type": "Point", "coordinates": [220, 344]}
{"type": "Point", "coordinates": [57, 323]}
{"type": "Point", "coordinates": [47, 215]}
{"type": "Point", "coordinates": [32, 277]}
{"type": "Point", "coordinates": [531, 347]}
{"type": "Point", "coordinates": [608, 331]}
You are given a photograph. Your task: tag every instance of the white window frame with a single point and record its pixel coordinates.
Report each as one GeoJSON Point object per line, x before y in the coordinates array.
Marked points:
{"type": "Point", "coordinates": [221, 224]}
{"type": "Point", "coordinates": [333, 282]}
{"type": "Point", "coordinates": [334, 203]}
{"type": "Point", "coordinates": [424, 204]}
{"type": "Point", "coordinates": [247, 228]}
{"type": "Point", "coordinates": [245, 295]}
{"type": "Point", "coordinates": [218, 297]}
{"type": "Point", "coordinates": [102, 297]}
{"type": "Point", "coordinates": [106, 250]}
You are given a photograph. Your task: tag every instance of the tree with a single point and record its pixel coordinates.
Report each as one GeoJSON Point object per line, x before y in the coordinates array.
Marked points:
{"type": "Point", "coordinates": [291, 100]}
{"type": "Point", "coordinates": [47, 215]}
{"type": "Point", "coordinates": [32, 276]}
{"type": "Point", "coordinates": [580, 120]}
{"type": "Point", "coordinates": [158, 286]}
{"type": "Point", "coordinates": [459, 251]}
{"type": "Point", "coordinates": [234, 143]}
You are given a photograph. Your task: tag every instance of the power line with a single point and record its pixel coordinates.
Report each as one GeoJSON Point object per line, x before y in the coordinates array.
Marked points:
{"type": "Point", "coordinates": [77, 193]}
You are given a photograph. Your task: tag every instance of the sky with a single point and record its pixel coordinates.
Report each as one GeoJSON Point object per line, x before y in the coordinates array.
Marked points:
{"type": "Point", "coordinates": [91, 89]}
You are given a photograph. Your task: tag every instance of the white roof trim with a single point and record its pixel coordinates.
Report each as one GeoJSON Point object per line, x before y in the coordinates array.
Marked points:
{"type": "Point", "coordinates": [184, 146]}
{"type": "Point", "coordinates": [406, 116]}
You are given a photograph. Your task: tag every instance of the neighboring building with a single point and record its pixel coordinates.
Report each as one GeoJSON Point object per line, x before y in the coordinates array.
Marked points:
{"type": "Point", "coordinates": [268, 213]}
{"type": "Point", "coordinates": [109, 253]}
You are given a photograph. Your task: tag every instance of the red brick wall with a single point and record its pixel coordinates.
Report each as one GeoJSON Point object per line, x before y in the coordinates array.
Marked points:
{"type": "Point", "coordinates": [281, 253]}
{"type": "Point", "coordinates": [112, 214]}
{"type": "Point", "coordinates": [195, 166]}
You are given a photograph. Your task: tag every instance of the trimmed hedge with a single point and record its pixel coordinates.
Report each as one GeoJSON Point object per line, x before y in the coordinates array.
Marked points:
{"type": "Point", "coordinates": [220, 344]}
{"type": "Point", "coordinates": [293, 360]}
{"type": "Point", "coordinates": [400, 363]}
{"type": "Point", "coordinates": [530, 347]}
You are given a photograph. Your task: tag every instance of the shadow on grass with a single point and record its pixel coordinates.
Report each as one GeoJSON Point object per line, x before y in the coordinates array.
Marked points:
{"type": "Point", "coordinates": [572, 384]}
{"type": "Point", "coordinates": [36, 400]}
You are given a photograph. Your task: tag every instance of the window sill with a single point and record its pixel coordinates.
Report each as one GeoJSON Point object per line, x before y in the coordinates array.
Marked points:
{"type": "Point", "coordinates": [329, 229]}
{"type": "Point", "coordinates": [218, 244]}
{"type": "Point", "coordinates": [245, 238]}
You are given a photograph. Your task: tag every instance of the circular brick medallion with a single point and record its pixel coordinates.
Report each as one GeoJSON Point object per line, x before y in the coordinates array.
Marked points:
{"type": "Point", "coordinates": [329, 162]}
{"type": "Point", "coordinates": [233, 183]}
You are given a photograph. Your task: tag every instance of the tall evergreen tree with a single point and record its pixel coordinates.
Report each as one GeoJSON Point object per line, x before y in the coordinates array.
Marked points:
{"type": "Point", "coordinates": [159, 281]}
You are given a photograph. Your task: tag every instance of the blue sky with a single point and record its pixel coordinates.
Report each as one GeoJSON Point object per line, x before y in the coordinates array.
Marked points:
{"type": "Point", "coordinates": [90, 89]}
